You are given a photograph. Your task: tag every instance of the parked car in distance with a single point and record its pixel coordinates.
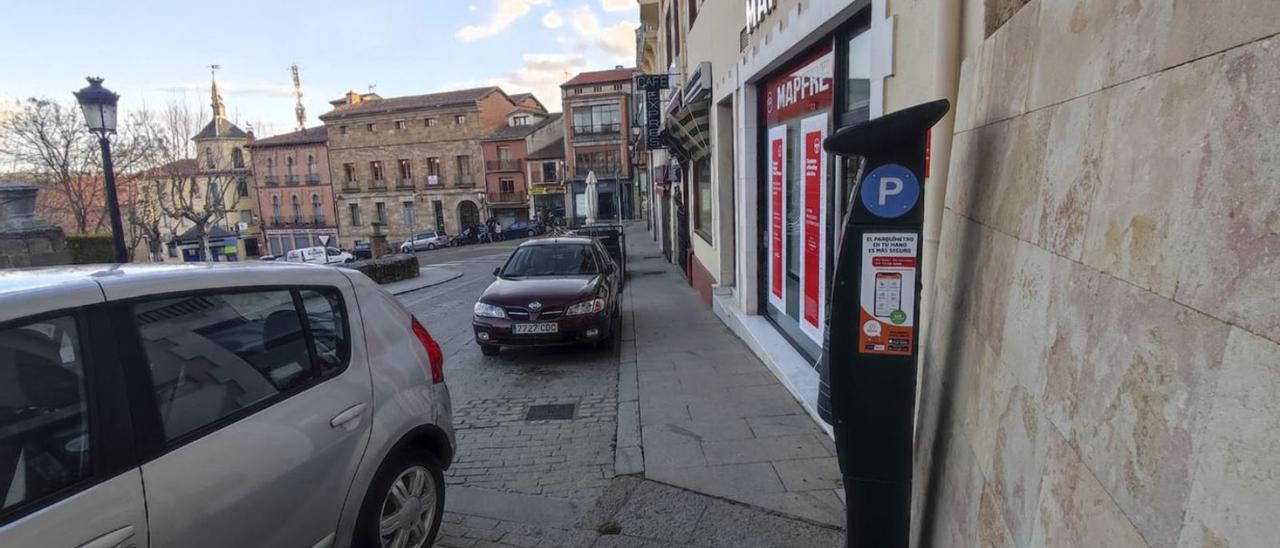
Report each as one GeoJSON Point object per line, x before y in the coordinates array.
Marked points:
{"type": "Point", "coordinates": [423, 241]}
{"type": "Point", "coordinates": [268, 258]}
{"type": "Point", "coordinates": [522, 229]}
{"type": "Point", "coordinates": [551, 291]}
{"type": "Point", "coordinates": [233, 393]}
{"type": "Point", "coordinates": [361, 251]}
{"type": "Point", "coordinates": [468, 235]}
{"type": "Point", "coordinates": [319, 255]}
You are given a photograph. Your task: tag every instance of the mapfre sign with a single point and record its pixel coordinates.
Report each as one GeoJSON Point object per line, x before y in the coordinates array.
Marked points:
{"type": "Point", "coordinates": [757, 10]}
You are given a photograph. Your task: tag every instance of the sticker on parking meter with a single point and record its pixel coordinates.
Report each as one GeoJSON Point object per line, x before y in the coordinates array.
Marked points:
{"type": "Point", "coordinates": [888, 298]}
{"type": "Point", "coordinates": [890, 191]}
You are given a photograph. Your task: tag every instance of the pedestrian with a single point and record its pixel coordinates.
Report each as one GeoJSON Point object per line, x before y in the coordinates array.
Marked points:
{"type": "Point", "coordinates": [498, 227]}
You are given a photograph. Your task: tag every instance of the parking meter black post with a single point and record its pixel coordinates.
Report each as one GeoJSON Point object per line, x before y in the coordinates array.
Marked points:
{"type": "Point", "coordinates": [652, 84]}
{"type": "Point", "coordinates": [870, 370]}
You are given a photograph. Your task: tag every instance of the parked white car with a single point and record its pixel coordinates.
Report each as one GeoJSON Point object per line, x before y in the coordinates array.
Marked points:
{"type": "Point", "coordinates": [423, 241]}
{"type": "Point", "coordinates": [319, 255]}
{"type": "Point", "coordinates": [260, 403]}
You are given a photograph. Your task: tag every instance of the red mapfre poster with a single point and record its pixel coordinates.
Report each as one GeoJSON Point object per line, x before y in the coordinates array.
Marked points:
{"type": "Point", "coordinates": [812, 224]}
{"type": "Point", "coordinates": [777, 214]}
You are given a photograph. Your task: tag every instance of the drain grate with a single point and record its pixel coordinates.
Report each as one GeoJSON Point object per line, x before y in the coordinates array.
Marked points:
{"type": "Point", "coordinates": [555, 412]}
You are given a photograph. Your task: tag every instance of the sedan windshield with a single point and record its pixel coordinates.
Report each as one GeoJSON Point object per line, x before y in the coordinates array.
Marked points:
{"type": "Point", "coordinates": [551, 260]}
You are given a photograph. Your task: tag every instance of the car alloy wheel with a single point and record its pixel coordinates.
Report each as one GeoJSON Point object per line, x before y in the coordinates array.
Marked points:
{"type": "Point", "coordinates": [408, 510]}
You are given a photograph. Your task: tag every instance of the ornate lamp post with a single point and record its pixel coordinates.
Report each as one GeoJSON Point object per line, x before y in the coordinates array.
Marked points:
{"type": "Point", "coordinates": [99, 106]}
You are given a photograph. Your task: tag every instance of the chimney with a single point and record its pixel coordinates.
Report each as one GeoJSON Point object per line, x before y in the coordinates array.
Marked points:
{"type": "Point", "coordinates": [353, 97]}
{"type": "Point", "coordinates": [617, 67]}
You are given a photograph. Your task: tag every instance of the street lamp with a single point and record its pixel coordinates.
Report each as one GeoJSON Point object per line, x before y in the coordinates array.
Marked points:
{"type": "Point", "coordinates": [99, 106]}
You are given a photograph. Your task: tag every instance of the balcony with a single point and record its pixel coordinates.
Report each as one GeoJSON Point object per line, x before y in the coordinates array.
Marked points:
{"type": "Point", "coordinates": [271, 180]}
{"type": "Point", "coordinates": [465, 181]}
{"type": "Point", "coordinates": [291, 180]}
{"type": "Point", "coordinates": [505, 164]}
{"type": "Point", "coordinates": [599, 130]}
{"type": "Point", "coordinates": [313, 178]}
{"type": "Point", "coordinates": [378, 184]}
{"type": "Point", "coordinates": [351, 186]}
{"type": "Point", "coordinates": [433, 180]}
{"type": "Point", "coordinates": [518, 197]}
{"type": "Point", "coordinates": [602, 171]}
{"type": "Point", "coordinates": [404, 184]}
{"type": "Point", "coordinates": [293, 221]}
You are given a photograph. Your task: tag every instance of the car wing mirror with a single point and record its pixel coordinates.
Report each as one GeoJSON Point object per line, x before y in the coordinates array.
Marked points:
{"type": "Point", "coordinates": [497, 270]}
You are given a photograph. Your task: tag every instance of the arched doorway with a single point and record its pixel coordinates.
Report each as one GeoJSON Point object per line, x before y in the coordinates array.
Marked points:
{"type": "Point", "coordinates": [468, 215]}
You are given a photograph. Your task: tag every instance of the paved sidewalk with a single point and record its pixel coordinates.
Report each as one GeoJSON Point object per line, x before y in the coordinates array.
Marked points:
{"type": "Point", "coordinates": [427, 277]}
{"type": "Point", "coordinates": [713, 418]}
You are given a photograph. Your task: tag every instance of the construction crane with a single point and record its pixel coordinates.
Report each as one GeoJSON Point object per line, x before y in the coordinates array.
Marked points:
{"type": "Point", "coordinates": [298, 110]}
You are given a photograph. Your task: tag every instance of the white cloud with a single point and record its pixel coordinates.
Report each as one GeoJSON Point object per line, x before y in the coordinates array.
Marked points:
{"type": "Point", "coordinates": [541, 74]}
{"type": "Point", "coordinates": [617, 40]}
{"type": "Point", "coordinates": [505, 12]}
{"type": "Point", "coordinates": [472, 7]}
{"type": "Point", "coordinates": [617, 5]}
{"type": "Point", "coordinates": [552, 20]}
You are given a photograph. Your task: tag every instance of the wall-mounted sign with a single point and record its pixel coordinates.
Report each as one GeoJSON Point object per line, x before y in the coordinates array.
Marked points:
{"type": "Point", "coordinates": [813, 196]}
{"type": "Point", "coordinates": [808, 88]}
{"type": "Point", "coordinates": [777, 216]}
{"type": "Point", "coordinates": [757, 10]}
{"type": "Point", "coordinates": [652, 84]}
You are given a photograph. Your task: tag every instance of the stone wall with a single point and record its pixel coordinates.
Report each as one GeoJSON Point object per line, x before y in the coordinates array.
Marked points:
{"type": "Point", "coordinates": [1103, 367]}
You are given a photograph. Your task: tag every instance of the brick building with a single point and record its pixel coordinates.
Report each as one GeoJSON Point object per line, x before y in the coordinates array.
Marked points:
{"type": "Point", "coordinates": [505, 161]}
{"type": "Point", "coordinates": [295, 191]}
{"type": "Point", "coordinates": [597, 129]}
{"type": "Point", "coordinates": [415, 162]}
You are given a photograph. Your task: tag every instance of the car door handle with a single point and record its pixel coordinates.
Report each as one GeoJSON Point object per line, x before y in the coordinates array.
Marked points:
{"type": "Point", "coordinates": [350, 418]}
{"type": "Point", "coordinates": [112, 539]}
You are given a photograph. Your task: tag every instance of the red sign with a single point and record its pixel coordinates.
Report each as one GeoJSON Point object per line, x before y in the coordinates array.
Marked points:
{"type": "Point", "coordinates": [776, 211]}
{"type": "Point", "coordinates": [806, 88]}
{"type": "Point", "coordinates": [812, 225]}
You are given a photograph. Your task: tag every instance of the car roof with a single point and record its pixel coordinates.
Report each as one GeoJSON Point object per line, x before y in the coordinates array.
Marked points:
{"type": "Point", "coordinates": [27, 291]}
{"type": "Point", "coordinates": [558, 240]}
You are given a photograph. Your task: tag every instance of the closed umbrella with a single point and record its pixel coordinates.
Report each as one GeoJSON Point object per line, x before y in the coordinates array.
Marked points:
{"type": "Point", "coordinates": [593, 198]}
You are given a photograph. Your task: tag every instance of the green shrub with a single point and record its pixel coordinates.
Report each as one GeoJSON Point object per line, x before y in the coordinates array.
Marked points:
{"type": "Point", "coordinates": [388, 268]}
{"type": "Point", "coordinates": [91, 248]}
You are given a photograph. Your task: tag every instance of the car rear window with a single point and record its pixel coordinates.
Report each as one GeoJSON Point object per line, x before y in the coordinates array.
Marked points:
{"type": "Point", "coordinates": [551, 260]}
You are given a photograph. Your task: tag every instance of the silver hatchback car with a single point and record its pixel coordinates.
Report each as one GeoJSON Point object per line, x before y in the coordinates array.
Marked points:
{"type": "Point", "coordinates": [256, 404]}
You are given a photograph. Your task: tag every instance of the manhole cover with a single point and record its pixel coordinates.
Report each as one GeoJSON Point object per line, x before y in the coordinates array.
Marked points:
{"type": "Point", "coordinates": [550, 412]}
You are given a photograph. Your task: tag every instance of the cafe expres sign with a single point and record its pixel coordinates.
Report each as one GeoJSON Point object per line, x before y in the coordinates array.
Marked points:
{"type": "Point", "coordinates": [652, 84]}
{"type": "Point", "coordinates": [757, 10]}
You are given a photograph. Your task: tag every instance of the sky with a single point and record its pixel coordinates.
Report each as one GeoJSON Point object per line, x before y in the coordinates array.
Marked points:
{"type": "Point", "coordinates": [155, 51]}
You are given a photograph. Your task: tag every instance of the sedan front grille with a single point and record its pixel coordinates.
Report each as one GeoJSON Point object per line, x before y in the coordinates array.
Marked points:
{"type": "Point", "coordinates": [516, 313]}
{"type": "Point", "coordinates": [551, 314]}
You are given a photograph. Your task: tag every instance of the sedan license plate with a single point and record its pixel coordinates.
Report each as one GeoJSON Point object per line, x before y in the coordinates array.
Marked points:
{"type": "Point", "coordinates": [534, 328]}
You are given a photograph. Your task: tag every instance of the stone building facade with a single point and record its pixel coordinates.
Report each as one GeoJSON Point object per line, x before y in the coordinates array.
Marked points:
{"type": "Point", "coordinates": [597, 133]}
{"type": "Point", "coordinates": [224, 172]}
{"type": "Point", "coordinates": [292, 182]}
{"type": "Point", "coordinates": [411, 163]}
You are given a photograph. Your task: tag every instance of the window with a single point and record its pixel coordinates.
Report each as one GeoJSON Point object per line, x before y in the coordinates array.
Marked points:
{"type": "Point", "coordinates": [275, 209]}
{"type": "Point", "coordinates": [596, 89]}
{"type": "Point", "coordinates": [459, 119]}
{"type": "Point", "coordinates": [406, 171]}
{"type": "Point", "coordinates": [381, 211]}
{"type": "Point", "coordinates": [400, 124]}
{"type": "Point", "coordinates": [246, 216]}
{"type": "Point", "coordinates": [45, 444]}
{"type": "Point", "coordinates": [407, 213]}
{"type": "Point", "coordinates": [271, 169]}
{"type": "Point", "coordinates": [577, 91]}
{"type": "Point", "coordinates": [433, 167]}
{"type": "Point", "coordinates": [520, 121]}
{"type": "Point", "coordinates": [702, 218]}
{"type": "Point", "coordinates": [213, 355]}
{"type": "Point", "coordinates": [208, 158]}
{"type": "Point", "coordinates": [371, 127]}
{"type": "Point", "coordinates": [375, 169]}
{"type": "Point", "coordinates": [349, 172]}
{"type": "Point", "coordinates": [506, 186]}
{"type": "Point", "coordinates": [504, 154]}
{"type": "Point", "coordinates": [603, 162]}
{"type": "Point", "coordinates": [288, 166]}
{"type": "Point", "coordinates": [597, 120]}
{"type": "Point", "coordinates": [237, 158]}
{"type": "Point", "coordinates": [617, 87]}
{"type": "Point", "coordinates": [464, 168]}
{"type": "Point", "coordinates": [355, 214]}
{"type": "Point", "coordinates": [297, 208]}
{"type": "Point", "coordinates": [549, 172]}
{"type": "Point", "coordinates": [311, 165]}
{"type": "Point", "coordinates": [317, 210]}
{"type": "Point", "coordinates": [551, 260]}
{"type": "Point", "coordinates": [242, 188]}
{"type": "Point", "coordinates": [342, 130]}
{"type": "Point", "coordinates": [431, 122]}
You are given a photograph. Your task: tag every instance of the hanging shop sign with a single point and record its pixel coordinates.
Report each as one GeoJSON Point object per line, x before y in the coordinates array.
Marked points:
{"type": "Point", "coordinates": [777, 216]}
{"type": "Point", "coordinates": [813, 266]}
{"type": "Point", "coordinates": [652, 85]}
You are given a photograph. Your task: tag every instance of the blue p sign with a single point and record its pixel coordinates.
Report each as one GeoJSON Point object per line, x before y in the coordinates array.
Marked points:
{"type": "Point", "coordinates": [890, 191]}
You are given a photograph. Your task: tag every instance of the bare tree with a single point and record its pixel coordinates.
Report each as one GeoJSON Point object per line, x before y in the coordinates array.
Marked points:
{"type": "Point", "coordinates": [49, 140]}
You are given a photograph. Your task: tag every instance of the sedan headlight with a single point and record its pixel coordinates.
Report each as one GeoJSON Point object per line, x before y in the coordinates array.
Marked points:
{"type": "Point", "coordinates": [592, 306]}
{"type": "Point", "coordinates": [486, 310]}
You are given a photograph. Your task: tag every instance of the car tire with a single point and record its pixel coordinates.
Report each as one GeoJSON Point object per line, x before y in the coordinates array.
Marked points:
{"type": "Point", "coordinates": [489, 349]}
{"type": "Point", "coordinates": [431, 246]}
{"type": "Point", "coordinates": [405, 467]}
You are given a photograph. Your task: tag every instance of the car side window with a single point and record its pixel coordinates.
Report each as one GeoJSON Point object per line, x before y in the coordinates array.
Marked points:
{"type": "Point", "coordinates": [211, 355]}
{"type": "Point", "coordinates": [44, 425]}
{"type": "Point", "coordinates": [327, 319]}
{"type": "Point", "coordinates": [332, 252]}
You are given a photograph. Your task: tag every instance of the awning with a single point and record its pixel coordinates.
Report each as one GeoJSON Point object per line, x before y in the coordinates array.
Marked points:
{"type": "Point", "coordinates": [687, 127]}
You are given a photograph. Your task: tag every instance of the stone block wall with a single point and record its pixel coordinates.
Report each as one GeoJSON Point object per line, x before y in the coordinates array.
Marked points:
{"type": "Point", "coordinates": [1103, 367]}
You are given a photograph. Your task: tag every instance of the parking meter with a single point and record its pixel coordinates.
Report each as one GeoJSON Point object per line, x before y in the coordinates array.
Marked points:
{"type": "Point", "coordinates": [870, 353]}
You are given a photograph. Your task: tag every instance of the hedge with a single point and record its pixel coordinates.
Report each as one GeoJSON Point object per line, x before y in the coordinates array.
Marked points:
{"type": "Point", "coordinates": [388, 268]}
{"type": "Point", "coordinates": [91, 248]}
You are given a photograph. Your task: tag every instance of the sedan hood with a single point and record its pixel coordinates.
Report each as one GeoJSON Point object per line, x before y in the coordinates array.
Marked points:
{"type": "Point", "coordinates": [550, 290]}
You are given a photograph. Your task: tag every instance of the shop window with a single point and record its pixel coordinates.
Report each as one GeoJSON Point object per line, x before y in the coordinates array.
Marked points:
{"type": "Point", "coordinates": [702, 223]}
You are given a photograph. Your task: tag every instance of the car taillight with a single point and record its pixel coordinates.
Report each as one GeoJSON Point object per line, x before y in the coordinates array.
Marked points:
{"type": "Point", "coordinates": [434, 354]}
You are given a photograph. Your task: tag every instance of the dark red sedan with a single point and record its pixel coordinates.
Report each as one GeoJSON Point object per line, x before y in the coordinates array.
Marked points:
{"type": "Point", "coordinates": [551, 291]}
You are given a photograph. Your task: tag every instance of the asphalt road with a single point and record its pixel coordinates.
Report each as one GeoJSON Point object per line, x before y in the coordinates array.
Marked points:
{"type": "Point", "coordinates": [497, 448]}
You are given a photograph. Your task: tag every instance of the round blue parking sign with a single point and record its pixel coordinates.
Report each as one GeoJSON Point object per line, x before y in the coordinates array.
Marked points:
{"type": "Point", "coordinates": [890, 191]}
